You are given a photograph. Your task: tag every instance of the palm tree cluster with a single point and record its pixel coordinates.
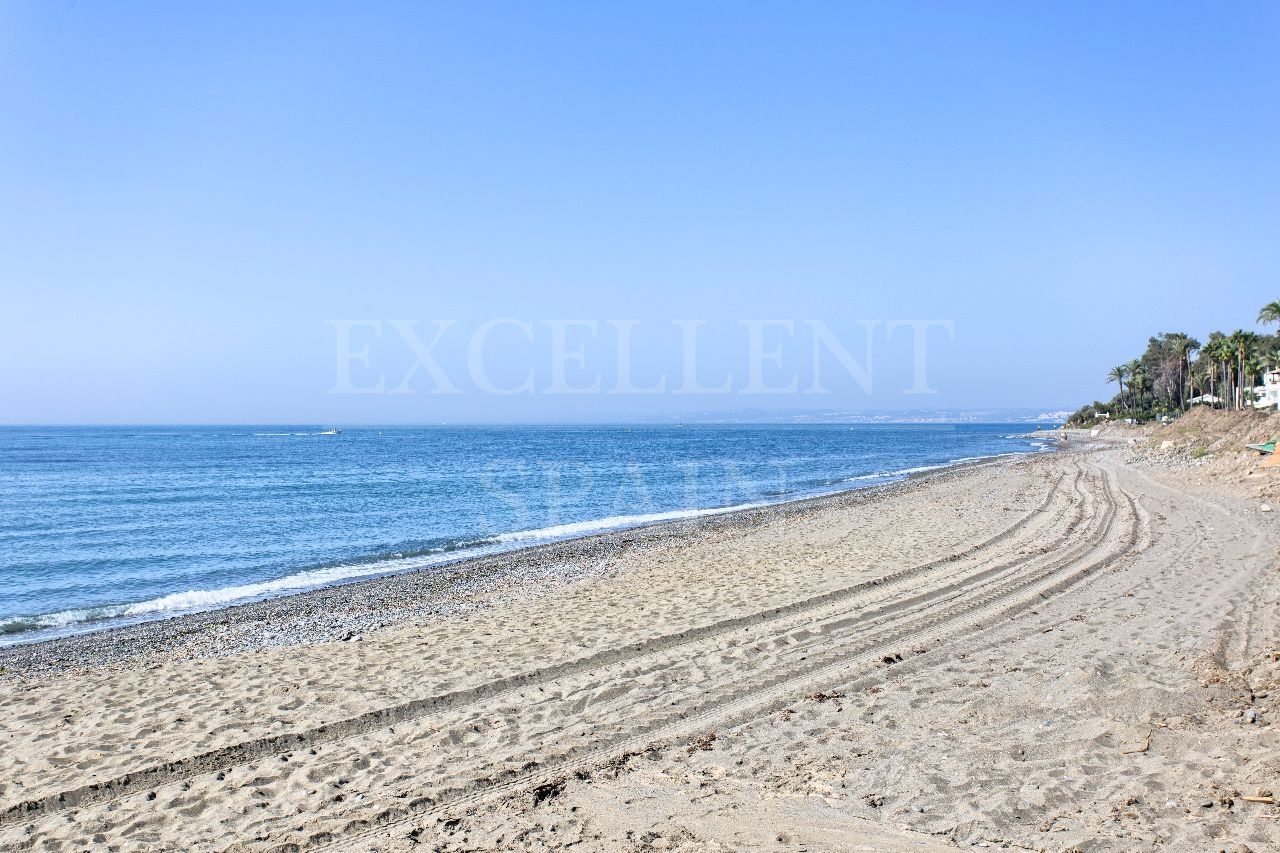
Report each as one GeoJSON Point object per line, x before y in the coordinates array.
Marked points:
{"type": "Point", "coordinates": [1177, 371]}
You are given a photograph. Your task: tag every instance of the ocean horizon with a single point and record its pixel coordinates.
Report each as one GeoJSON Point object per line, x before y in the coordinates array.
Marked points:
{"type": "Point", "coordinates": [110, 525]}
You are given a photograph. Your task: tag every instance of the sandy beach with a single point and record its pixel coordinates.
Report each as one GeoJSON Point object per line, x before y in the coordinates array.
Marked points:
{"type": "Point", "coordinates": [1065, 651]}
{"type": "Point", "coordinates": [699, 427]}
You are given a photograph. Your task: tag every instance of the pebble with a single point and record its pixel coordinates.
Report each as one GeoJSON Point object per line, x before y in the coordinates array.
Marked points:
{"type": "Point", "coordinates": [1265, 508]}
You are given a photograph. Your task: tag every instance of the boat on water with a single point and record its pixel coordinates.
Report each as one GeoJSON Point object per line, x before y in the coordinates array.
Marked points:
{"type": "Point", "coordinates": [334, 431]}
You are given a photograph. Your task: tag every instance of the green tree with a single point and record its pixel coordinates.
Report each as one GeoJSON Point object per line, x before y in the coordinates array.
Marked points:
{"type": "Point", "coordinates": [1269, 313]}
{"type": "Point", "coordinates": [1137, 382]}
{"type": "Point", "coordinates": [1216, 354]}
{"type": "Point", "coordinates": [1167, 364]}
{"type": "Point", "coordinates": [1187, 383]}
{"type": "Point", "coordinates": [1253, 368]}
{"type": "Point", "coordinates": [1242, 342]}
{"type": "Point", "coordinates": [1118, 375]}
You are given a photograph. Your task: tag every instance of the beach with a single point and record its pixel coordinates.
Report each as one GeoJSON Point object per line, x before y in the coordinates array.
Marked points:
{"type": "Point", "coordinates": [489, 428]}
{"type": "Point", "coordinates": [1057, 651]}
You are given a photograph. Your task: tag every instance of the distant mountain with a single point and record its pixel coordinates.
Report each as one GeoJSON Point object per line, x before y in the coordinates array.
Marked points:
{"type": "Point", "coordinates": [868, 416]}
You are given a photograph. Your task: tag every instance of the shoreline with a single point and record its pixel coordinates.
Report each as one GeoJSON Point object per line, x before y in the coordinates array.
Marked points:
{"type": "Point", "coordinates": [346, 610]}
{"type": "Point", "coordinates": [1065, 642]}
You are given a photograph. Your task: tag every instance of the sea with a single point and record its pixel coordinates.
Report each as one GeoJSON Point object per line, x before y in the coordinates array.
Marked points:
{"type": "Point", "coordinates": [106, 525]}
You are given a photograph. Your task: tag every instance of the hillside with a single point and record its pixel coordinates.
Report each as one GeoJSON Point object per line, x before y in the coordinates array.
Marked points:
{"type": "Point", "coordinates": [1208, 446]}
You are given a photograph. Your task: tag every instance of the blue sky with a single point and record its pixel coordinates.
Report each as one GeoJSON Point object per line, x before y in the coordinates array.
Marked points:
{"type": "Point", "coordinates": [194, 194]}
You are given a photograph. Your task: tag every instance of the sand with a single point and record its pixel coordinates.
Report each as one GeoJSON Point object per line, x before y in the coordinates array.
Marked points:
{"type": "Point", "coordinates": [1070, 651]}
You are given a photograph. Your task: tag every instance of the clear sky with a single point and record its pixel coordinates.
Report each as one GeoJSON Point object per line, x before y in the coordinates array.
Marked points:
{"type": "Point", "coordinates": [192, 195]}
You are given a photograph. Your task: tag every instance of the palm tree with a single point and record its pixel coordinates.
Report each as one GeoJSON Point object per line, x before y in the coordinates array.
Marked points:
{"type": "Point", "coordinates": [1208, 371]}
{"type": "Point", "coordinates": [1187, 379]}
{"type": "Point", "coordinates": [1119, 374]}
{"type": "Point", "coordinates": [1137, 382]}
{"type": "Point", "coordinates": [1226, 354]}
{"type": "Point", "coordinates": [1269, 313]}
{"type": "Point", "coordinates": [1241, 342]}
{"type": "Point", "coordinates": [1211, 354]}
{"type": "Point", "coordinates": [1252, 370]}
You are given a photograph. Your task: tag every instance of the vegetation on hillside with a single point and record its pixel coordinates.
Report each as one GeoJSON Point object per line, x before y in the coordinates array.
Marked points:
{"type": "Point", "coordinates": [1178, 371]}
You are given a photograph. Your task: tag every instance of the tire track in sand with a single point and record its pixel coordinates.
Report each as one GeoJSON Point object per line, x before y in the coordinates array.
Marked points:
{"type": "Point", "coordinates": [969, 610]}
{"type": "Point", "coordinates": [228, 757]}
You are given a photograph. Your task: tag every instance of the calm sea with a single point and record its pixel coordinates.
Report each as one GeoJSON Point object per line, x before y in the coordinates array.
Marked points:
{"type": "Point", "coordinates": [101, 525]}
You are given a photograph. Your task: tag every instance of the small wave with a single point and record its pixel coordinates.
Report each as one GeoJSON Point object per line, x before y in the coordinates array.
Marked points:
{"type": "Point", "coordinates": [195, 600]}
{"type": "Point", "coordinates": [289, 434]}
{"type": "Point", "coordinates": [861, 478]}
{"type": "Point", "coordinates": [903, 473]}
{"type": "Point", "coordinates": [615, 522]}
{"type": "Point", "coordinates": [900, 473]}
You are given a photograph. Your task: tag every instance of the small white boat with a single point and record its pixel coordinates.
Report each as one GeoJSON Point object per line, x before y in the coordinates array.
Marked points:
{"type": "Point", "coordinates": [334, 431]}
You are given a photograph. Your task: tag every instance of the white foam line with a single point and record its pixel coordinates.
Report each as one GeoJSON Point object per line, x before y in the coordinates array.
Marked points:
{"type": "Point", "coordinates": [615, 522]}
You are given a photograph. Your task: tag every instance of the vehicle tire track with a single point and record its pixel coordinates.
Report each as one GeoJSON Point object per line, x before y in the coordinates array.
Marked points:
{"type": "Point", "coordinates": [746, 699]}
{"type": "Point", "coordinates": [227, 757]}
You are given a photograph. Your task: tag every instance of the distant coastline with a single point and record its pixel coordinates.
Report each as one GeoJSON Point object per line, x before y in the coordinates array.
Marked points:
{"type": "Point", "coordinates": [871, 416]}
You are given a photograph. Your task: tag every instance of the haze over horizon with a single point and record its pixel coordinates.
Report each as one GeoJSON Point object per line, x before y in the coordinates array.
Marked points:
{"type": "Point", "coordinates": [201, 202]}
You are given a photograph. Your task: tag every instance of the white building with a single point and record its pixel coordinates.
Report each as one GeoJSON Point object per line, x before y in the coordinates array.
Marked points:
{"type": "Point", "coordinates": [1267, 395]}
